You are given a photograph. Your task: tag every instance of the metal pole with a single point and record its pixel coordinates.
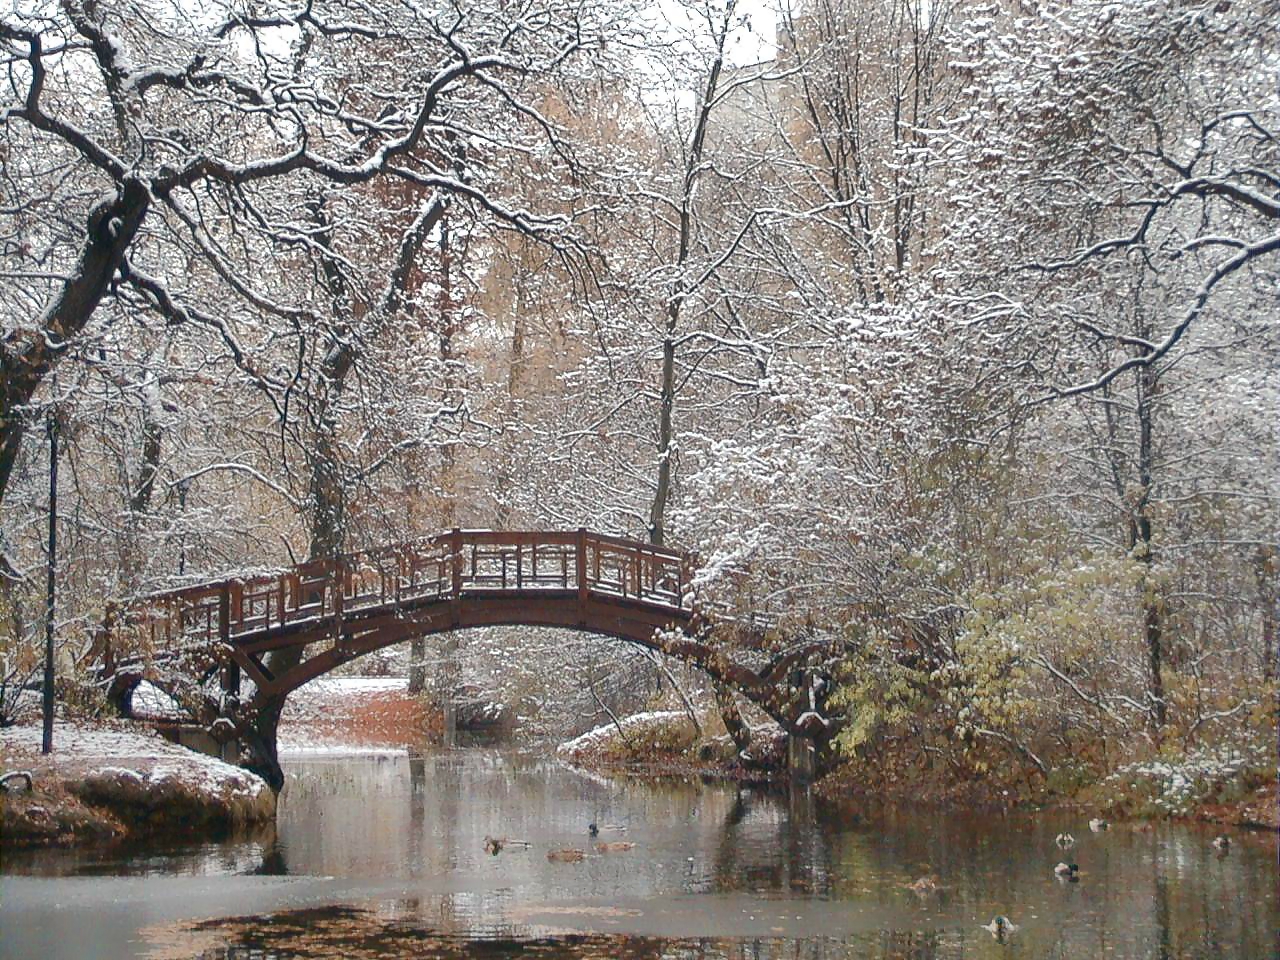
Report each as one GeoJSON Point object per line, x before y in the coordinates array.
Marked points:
{"type": "Point", "coordinates": [52, 427]}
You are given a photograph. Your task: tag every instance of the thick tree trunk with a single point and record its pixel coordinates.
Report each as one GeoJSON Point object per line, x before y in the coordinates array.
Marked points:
{"type": "Point", "coordinates": [26, 354]}
{"type": "Point", "coordinates": [326, 544]}
{"type": "Point", "coordinates": [662, 491]}
{"type": "Point", "coordinates": [1153, 626]}
{"type": "Point", "coordinates": [327, 494]}
{"type": "Point", "coordinates": [737, 728]}
{"type": "Point", "coordinates": [327, 501]}
{"type": "Point", "coordinates": [140, 502]}
{"type": "Point", "coordinates": [327, 489]}
{"type": "Point", "coordinates": [1264, 573]}
{"type": "Point", "coordinates": [260, 740]}
{"type": "Point", "coordinates": [133, 550]}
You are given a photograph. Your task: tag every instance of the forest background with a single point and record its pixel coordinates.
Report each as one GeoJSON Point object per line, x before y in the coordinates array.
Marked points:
{"type": "Point", "coordinates": [945, 335]}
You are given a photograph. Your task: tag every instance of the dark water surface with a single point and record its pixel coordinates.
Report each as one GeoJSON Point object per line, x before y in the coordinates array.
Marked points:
{"type": "Point", "coordinates": [385, 857]}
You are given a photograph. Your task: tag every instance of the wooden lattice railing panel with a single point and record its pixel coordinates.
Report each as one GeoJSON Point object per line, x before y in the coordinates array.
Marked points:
{"type": "Point", "coordinates": [442, 567]}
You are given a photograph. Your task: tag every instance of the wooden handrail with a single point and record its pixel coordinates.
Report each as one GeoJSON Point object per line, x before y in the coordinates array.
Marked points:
{"type": "Point", "coordinates": [441, 567]}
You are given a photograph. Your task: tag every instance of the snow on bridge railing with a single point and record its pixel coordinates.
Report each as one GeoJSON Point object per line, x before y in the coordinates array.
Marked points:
{"type": "Point", "coordinates": [442, 567]}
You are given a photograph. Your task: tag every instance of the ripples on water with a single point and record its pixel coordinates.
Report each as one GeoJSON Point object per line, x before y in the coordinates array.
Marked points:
{"type": "Point", "coordinates": [388, 858]}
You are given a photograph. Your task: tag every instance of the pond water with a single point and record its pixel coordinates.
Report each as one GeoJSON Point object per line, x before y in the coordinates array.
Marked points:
{"type": "Point", "coordinates": [385, 857]}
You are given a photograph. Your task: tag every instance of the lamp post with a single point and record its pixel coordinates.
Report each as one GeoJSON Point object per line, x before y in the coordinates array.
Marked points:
{"type": "Point", "coordinates": [52, 428]}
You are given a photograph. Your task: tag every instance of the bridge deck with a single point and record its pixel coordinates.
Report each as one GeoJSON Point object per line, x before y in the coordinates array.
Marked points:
{"type": "Point", "coordinates": [447, 567]}
{"type": "Point", "coordinates": [320, 615]}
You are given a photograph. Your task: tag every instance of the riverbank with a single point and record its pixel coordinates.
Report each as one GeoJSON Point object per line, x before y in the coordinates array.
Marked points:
{"type": "Point", "coordinates": [1197, 788]}
{"type": "Point", "coordinates": [1231, 788]}
{"type": "Point", "coordinates": [110, 781]}
{"type": "Point", "coordinates": [666, 743]}
{"type": "Point", "coordinates": [1254, 808]}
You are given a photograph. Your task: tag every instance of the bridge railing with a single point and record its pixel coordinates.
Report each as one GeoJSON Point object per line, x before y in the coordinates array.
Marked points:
{"type": "Point", "coordinates": [443, 567]}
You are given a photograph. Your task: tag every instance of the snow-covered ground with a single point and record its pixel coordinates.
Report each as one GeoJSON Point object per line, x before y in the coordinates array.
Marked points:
{"type": "Point", "coordinates": [150, 702]}
{"type": "Point", "coordinates": [328, 717]}
{"type": "Point", "coordinates": [329, 686]}
{"type": "Point", "coordinates": [639, 725]}
{"type": "Point", "coordinates": [81, 749]}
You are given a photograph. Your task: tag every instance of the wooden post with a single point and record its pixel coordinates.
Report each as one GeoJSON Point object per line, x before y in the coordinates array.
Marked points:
{"type": "Point", "coordinates": [456, 550]}
{"type": "Point", "coordinates": [231, 678]}
{"type": "Point", "coordinates": [52, 571]}
{"type": "Point", "coordinates": [224, 614]}
{"type": "Point", "coordinates": [236, 612]}
{"type": "Point", "coordinates": [230, 669]}
{"type": "Point", "coordinates": [581, 563]}
{"type": "Point", "coordinates": [338, 581]}
{"type": "Point", "coordinates": [456, 587]}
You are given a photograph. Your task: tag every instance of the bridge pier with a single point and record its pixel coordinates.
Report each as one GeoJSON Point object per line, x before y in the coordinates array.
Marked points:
{"type": "Point", "coordinates": [801, 758]}
{"type": "Point", "coordinates": [447, 684]}
{"type": "Point", "coordinates": [230, 682]}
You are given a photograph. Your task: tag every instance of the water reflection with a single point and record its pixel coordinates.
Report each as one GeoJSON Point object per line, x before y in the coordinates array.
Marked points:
{"type": "Point", "coordinates": [385, 857]}
{"type": "Point", "coordinates": [763, 863]}
{"type": "Point", "coordinates": [433, 813]}
{"type": "Point", "coordinates": [250, 851]}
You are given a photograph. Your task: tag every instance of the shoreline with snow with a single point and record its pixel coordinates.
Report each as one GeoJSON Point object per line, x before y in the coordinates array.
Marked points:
{"type": "Point", "coordinates": [110, 781]}
{"type": "Point", "coordinates": [667, 743]}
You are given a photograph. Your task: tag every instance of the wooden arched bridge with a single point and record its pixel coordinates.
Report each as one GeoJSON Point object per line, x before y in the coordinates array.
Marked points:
{"type": "Point", "coordinates": [283, 629]}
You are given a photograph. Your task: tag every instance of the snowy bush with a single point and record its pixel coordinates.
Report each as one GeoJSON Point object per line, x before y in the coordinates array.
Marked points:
{"type": "Point", "coordinates": [1177, 787]}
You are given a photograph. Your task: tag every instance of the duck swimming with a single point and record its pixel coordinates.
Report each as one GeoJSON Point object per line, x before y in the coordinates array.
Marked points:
{"type": "Point", "coordinates": [1097, 825]}
{"type": "Point", "coordinates": [495, 845]}
{"type": "Point", "coordinates": [1069, 871]}
{"type": "Point", "coordinates": [566, 856]}
{"type": "Point", "coordinates": [1000, 927]}
{"type": "Point", "coordinates": [923, 886]}
{"type": "Point", "coordinates": [1222, 842]}
{"type": "Point", "coordinates": [1065, 840]}
{"type": "Point", "coordinates": [614, 846]}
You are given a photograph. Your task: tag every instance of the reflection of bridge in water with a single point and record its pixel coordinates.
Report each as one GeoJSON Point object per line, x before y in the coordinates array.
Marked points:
{"type": "Point", "coordinates": [323, 614]}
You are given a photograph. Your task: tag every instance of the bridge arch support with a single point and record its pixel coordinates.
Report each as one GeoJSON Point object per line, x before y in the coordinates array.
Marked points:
{"type": "Point", "coordinates": [603, 616]}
